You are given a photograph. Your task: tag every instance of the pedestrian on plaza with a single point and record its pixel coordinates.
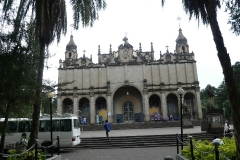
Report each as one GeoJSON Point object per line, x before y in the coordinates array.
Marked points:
{"type": "Point", "coordinates": [107, 127]}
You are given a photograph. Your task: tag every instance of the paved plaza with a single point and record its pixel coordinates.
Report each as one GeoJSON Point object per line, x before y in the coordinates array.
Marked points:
{"type": "Point", "coordinates": [157, 153]}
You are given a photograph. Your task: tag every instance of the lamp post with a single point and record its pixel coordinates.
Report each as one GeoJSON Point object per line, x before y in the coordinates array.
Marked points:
{"type": "Point", "coordinates": [180, 91]}
{"type": "Point", "coordinates": [50, 96]}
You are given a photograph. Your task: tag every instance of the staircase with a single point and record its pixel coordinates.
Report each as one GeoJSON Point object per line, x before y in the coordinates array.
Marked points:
{"type": "Point", "coordinates": [138, 141]}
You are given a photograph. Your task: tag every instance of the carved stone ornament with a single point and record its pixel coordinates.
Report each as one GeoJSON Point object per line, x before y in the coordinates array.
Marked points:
{"type": "Point", "coordinates": [75, 95]}
{"type": "Point", "coordinates": [91, 94]}
{"type": "Point", "coordinates": [145, 91]}
{"type": "Point", "coordinates": [168, 58]}
{"type": "Point", "coordinates": [109, 93]}
{"type": "Point", "coordinates": [125, 54]}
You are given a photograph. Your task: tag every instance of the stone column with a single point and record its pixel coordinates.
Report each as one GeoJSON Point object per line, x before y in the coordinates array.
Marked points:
{"type": "Point", "coordinates": [164, 104]}
{"type": "Point", "coordinates": [109, 109]}
{"type": "Point", "coordinates": [59, 105]}
{"type": "Point", "coordinates": [92, 110]}
{"type": "Point", "coordinates": [146, 108]}
{"type": "Point", "coordinates": [75, 105]}
{"type": "Point", "coordinates": [198, 104]}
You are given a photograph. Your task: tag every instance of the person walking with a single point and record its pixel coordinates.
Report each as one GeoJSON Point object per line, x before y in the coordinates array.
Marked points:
{"type": "Point", "coordinates": [107, 127]}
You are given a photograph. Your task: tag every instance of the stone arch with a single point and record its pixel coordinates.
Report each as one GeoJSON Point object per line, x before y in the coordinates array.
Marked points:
{"type": "Point", "coordinates": [84, 109]}
{"type": "Point", "coordinates": [189, 104]}
{"type": "Point", "coordinates": [101, 108]}
{"type": "Point", "coordinates": [172, 106]}
{"type": "Point", "coordinates": [124, 85]}
{"type": "Point", "coordinates": [67, 106]}
{"type": "Point", "coordinates": [154, 104]}
{"type": "Point", "coordinates": [127, 93]}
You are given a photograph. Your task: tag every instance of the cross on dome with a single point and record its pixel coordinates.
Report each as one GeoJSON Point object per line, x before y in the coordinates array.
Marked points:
{"type": "Point", "coordinates": [125, 39]}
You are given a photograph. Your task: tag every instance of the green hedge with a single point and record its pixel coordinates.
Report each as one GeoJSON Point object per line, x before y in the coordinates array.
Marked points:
{"type": "Point", "coordinates": [204, 149]}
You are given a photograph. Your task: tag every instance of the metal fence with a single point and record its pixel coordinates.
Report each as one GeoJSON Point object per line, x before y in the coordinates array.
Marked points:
{"type": "Point", "coordinates": [216, 142]}
{"type": "Point", "coordinates": [34, 147]}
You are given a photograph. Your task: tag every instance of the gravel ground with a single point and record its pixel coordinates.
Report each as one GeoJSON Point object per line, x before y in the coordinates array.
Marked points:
{"type": "Point", "coordinates": [156, 153]}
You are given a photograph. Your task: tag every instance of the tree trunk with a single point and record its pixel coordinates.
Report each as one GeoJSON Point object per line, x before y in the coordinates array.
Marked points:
{"type": "Point", "coordinates": [4, 129]}
{"type": "Point", "coordinates": [228, 76]}
{"type": "Point", "coordinates": [37, 100]}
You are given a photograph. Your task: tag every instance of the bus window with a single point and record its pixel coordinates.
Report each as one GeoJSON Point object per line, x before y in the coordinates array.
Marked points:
{"type": "Point", "coordinates": [42, 126]}
{"type": "Point", "coordinates": [21, 126]}
{"type": "Point", "coordinates": [65, 125]}
{"type": "Point", "coordinates": [28, 126]}
{"type": "Point", "coordinates": [55, 125]}
{"type": "Point", "coordinates": [12, 126]}
{"type": "Point", "coordinates": [76, 123]}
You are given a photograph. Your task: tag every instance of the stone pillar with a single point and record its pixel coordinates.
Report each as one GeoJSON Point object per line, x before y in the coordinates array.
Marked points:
{"type": "Point", "coordinates": [92, 110]}
{"type": "Point", "coordinates": [109, 109]}
{"type": "Point", "coordinates": [59, 105]}
{"type": "Point", "coordinates": [164, 104]}
{"type": "Point", "coordinates": [75, 105]}
{"type": "Point", "coordinates": [198, 104]}
{"type": "Point", "coordinates": [146, 108]}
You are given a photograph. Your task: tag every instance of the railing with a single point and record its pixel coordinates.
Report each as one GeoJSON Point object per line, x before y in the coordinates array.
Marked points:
{"type": "Point", "coordinates": [34, 146]}
{"type": "Point", "coordinates": [193, 146]}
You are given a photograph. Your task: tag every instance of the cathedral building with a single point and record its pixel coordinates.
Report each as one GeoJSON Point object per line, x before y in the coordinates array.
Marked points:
{"type": "Point", "coordinates": [129, 85]}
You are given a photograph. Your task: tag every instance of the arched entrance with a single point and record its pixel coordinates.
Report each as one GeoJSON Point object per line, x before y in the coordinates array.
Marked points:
{"type": "Point", "coordinates": [127, 105]}
{"type": "Point", "coordinates": [172, 107]}
{"type": "Point", "coordinates": [189, 103]}
{"type": "Point", "coordinates": [128, 112]}
{"type": "Point", "coordinates": [84, 109]}
{"type": "Point", "coordinates": [101, 109]}
{"type": "Point", "coordinates": [67, 106]}
{"type": "Point", "coordinates": [154, 105]}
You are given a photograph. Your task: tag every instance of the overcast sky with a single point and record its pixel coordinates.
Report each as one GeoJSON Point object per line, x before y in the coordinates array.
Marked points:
{"type": "Point", "coordinates": [145, 21]}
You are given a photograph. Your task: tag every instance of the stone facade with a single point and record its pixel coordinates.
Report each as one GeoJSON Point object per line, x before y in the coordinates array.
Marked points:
{"type": "Point", "coordinates": [129, 85]}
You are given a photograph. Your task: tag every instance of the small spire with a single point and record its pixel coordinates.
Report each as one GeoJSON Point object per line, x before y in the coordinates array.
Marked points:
{"type": "Point", "coordinates": [140, 47]}
{"type": "Point", "coordinates": [110, 49]}
{"type": "Point", "coordinates": [167, 48]}
{"type": "Point", "coordinates": [152, 47]}
{"type": "Point", "coordinates": [179, 19]}
{"type": "Point", "coordinates": [84, 53]}
{"type": "Point", "coordinates": [99, 50]}
{"type": "Point", "coordinates": [90, 57]}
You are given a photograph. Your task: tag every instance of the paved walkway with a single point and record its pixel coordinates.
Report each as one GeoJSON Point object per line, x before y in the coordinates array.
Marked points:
{"type": "Point", "coordinates": [141, 132]}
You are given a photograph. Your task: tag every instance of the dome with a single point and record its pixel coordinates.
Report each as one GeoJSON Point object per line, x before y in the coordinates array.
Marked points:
{"type": "Point", "coordinates": [71, 44]}
{"type": "Point", "coordinates": [181, 38]}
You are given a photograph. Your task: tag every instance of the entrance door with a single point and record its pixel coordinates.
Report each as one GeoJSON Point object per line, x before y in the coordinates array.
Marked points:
{"type": "Point", "coordinates": [128, 112]}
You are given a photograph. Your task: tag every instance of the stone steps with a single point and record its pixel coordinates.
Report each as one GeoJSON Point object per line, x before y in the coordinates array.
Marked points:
{"type": "Point", "coordinates": [138, 141]}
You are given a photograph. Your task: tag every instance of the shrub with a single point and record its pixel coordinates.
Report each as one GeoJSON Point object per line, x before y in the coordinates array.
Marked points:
{"type": "Point", "coordinates": [26, 155]}
{"type": "Point", "coordinates": [204, 149]}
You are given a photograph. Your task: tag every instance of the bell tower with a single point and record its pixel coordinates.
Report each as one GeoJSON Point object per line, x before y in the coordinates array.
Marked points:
{"type": "Point", "coordinates": [71, 50]}
{"type": "Point", "coordinates": [182, 47]}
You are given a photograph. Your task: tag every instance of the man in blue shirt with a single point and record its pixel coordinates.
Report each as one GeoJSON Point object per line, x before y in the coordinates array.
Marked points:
{"type": "Point", "coordinates": [107, 127]}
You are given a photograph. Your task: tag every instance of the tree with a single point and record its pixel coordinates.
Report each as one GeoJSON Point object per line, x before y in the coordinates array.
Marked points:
{"type": "Point", "coordinates": [18, 72]}
{"type": "Point", "coordinates": [50, 22]}
{"type": "Point", "coordinates": [206, 11]}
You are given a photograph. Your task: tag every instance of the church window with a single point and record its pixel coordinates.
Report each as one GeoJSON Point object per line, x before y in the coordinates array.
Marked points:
{"type": "Point", "coordinates": [70, 54]}
{"type": "Point", "coordinates": [183, 49]}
